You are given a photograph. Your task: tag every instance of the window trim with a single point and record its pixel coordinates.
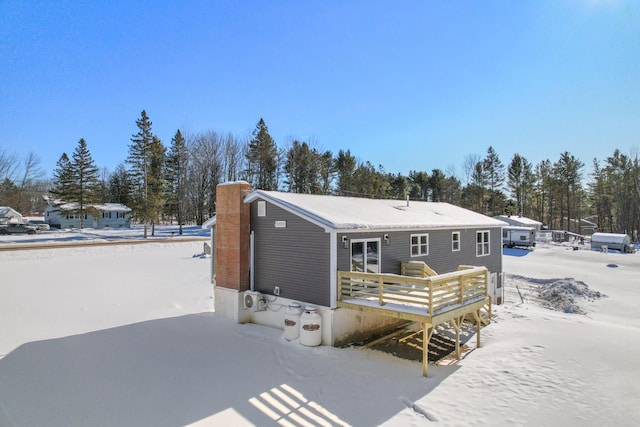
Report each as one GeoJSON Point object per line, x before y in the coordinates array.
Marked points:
{"type": "Point", "coordinates": [480, 245]}
{"type": "Point", "coordinates": [453, 241]}
{"type": "Point", "coordinates": [419, 245]}
{"type": "Point", "coordinates": [364, 241]}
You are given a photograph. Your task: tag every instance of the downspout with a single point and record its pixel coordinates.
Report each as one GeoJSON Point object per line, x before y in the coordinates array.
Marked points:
{"type": "Point", "coordinates": [251, 260]}
{"type": "Point", "coordinates": [333, 268]}
{"type": "Point", "coordinates": [213, 254]}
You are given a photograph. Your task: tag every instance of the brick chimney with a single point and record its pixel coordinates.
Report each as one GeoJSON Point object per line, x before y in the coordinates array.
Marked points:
{"type": "Point", "coordinates": [232, 236]}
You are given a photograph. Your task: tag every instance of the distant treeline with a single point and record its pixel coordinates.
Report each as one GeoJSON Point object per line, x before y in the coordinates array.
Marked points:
{"type": "Point", "coordinates": [177, 183]}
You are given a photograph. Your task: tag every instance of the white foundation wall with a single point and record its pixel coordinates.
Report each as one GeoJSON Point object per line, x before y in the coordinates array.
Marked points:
{"type": "Point", "coordinates": [339, 326]}
{"type": "Point", "coordinates": [229, 303]}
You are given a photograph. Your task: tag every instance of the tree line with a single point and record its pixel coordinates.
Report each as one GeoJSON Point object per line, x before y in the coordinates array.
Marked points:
{"type": "Point", "coordinates": [177, 183]}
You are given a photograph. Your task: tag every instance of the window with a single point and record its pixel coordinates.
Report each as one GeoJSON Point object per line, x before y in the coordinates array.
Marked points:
{"type": "Point", "coordinates": [262, 208]}
{"type": "Point", "coordinates": [419, 244]}
{"type": "Point", "coordinates": [455, 241]}
{"type": "Point", "coordinates": [365, 256]}
{"type": "Point", "coordinates": [119, 214]}
{"type": "Point", "coordinates": [482, 243]}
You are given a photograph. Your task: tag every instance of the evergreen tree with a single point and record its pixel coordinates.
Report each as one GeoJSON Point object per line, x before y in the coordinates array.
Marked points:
{"type": "Point", "coordinates": [177, 166]}
{"type": "Point", "coordinates": [520, 182]}
{"type": "Point", "coordinates": [327, 171]}
{"type": "Point", "coordinates": [85, 187]}
{"type": "Point", "coordinates": [302, 169]}
{"type": "Point", "coordinates": [419, 185]}
{"type": "Point", "coordinates": [156, 181]}
{"type": "Point", "coordinates": [62, 178]}
{"type": "Point", "coordinates": [568, 173]}
{"type": "Point", "coordinates": [139, 160]}
{"type": "Point", "coordinates": [493, 170]}
{"type": "Point", "coordinates": [345, 167]}
{"type": "Point", "coordinates": [262, 159]}
{"type": "Point", "coordinates": [119, 186]}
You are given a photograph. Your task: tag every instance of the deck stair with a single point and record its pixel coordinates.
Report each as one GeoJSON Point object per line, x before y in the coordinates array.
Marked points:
{"type": "Point", "coordinates": [421, 296]}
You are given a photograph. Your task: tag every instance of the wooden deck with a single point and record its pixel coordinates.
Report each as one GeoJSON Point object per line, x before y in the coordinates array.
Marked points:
{"type": "Point", "coordinates": [430, 300]}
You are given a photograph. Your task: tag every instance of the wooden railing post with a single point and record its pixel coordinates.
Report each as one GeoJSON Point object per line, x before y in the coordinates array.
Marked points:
{"type": "Point", "coordinates": [380, 290]}
{"type": "Point", "coordinates": [430, 285]}
{"type": "Point", "coordinates": [339, 285]}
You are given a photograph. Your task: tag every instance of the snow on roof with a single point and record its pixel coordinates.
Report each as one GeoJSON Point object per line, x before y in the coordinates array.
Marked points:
{"type": "Point", "coordinates": [209, 223]}
{"type": "Point", "coordinates": [6, 211]}
{"type": "Point", "coordinates": [351, 213]}
{"type": "Point", "coordinates": [520, 219]}
{"type": "Point", "coordinates": [112, 207]}
{"type": "Point", "coordinates": [119, 207]}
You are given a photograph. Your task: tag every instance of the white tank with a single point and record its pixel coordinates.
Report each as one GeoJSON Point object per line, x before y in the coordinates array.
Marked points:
{"type": "Point", "coordinates": [310, 327]}
{"type": "Point", "coordinates": [292, 321]}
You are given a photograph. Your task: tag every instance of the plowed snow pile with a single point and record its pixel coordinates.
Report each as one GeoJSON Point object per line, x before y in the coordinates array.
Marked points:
{"type": "Point", "coordinates": [564, 295]}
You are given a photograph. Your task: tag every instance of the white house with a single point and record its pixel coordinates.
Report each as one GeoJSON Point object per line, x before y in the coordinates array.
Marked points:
{"type": "Point", "coordinates": [104, 215]}
{"type": "Point", "coordinates": [520, 221]}
{"type": "Point", "coordinates": [9, 215]}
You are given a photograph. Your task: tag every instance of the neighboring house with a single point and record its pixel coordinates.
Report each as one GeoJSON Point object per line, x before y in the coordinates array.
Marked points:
{"type": "Point", "coordinates": [520, 221]}
{"type": "Point", "coordinates": [290, 247]}
{"type": "Point", "coordinates": [104, 215]}
{"type": "Point", "coordinates": [615, 241]}
{"type": "Point", "coordinates": [9, 215]}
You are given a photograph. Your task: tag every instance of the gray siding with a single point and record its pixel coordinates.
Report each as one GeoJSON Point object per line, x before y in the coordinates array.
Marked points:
{"type": "Point", "coordinates": [441, 258]}
{"type": "Point", "coordinates": [295, 258]}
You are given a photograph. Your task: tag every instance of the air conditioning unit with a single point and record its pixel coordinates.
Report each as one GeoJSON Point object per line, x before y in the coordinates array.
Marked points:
{"type": "Point", "coordinates": [254, 301]}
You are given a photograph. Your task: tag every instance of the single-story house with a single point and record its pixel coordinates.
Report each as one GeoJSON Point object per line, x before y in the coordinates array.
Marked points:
{"type": "Point", "coordinates": [520, 221]}
{"type": "Point", "coordinates": [9, 215]}
{"type": "Point", "coordinates": [99, 215]}
{"type": "Point", "coordinates": [287, 247]}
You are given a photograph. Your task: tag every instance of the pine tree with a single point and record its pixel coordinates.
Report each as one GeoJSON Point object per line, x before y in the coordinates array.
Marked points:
{"type": "Point", "coordinates": [176, 175]}
{"type": "Point", "coordinates": [262, 159]}
{"type": "Point", "coordinates": [345, 167]}
{"type": "Point", "coordinates": [119, 186]}
{"type": "Point", "coordinates": [494, 174]}
{"type": "Point", "coordinates": [139, 160]}
{"type": "Point", "coordinates": [156, 181]}
{"type": "Point", "coordinates": [85, 187]}
{"type": "Point", "coordinates": [62, 178]}
{"type": "Point", "coordinates": [520, 181]}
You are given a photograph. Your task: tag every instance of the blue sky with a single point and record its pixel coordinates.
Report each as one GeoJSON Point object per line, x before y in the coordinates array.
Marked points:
{"type": "Point", "coordinates": [411, 85]}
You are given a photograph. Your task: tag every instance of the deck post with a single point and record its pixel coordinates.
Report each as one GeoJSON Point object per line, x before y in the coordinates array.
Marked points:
{"type": "Point", "coordinates": [425, 349]}
{"type": "Point", "coordinates": [479, 325]}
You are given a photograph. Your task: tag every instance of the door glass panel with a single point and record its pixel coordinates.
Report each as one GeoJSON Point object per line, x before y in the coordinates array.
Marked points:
{"type": "Point", "coordinates": [365, 256]}
{"type": "Point", "coordinates": [357, 256]}
{"type": "Point", "coordinates": [373, 266]}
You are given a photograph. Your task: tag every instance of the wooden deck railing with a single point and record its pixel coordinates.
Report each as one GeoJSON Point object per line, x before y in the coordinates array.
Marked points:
{"type": "Point", "coordinates": [436, 294]}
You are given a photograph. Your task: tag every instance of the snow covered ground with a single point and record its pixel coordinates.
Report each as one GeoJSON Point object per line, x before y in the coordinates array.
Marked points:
{"type": "Point", "coordinates": [126, 335]}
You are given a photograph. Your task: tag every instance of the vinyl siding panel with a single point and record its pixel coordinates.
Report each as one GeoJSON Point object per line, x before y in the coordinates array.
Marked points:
{"type": "Point", "coordinates": [441, 257]}
{"type": "Point", "coordinates": [295, 257]}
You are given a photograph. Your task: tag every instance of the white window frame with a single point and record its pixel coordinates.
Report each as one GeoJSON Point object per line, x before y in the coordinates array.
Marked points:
{"type": "Point", "coordinates": [262, 208]}
{"type": "Point", "coordinates": [419, 245]}
{"type": "Point", "coordinates": [481, 245]}
{"type": "Point", "coordinates": [454, 241]}
{"type": "Point", "coordinates": [364, 261]}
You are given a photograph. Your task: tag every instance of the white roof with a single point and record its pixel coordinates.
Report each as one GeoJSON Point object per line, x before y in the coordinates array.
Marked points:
{"type": "Point", "coordinates": [210, 223]}
{"type": "Point", "coordinates": [7, 211]}
{"type": "Point", "coordinates": [519, 219]}
{"type": "Point", "coordinates": [113, 207]}
{"type": "Point", "coordinates": [351, 213]}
